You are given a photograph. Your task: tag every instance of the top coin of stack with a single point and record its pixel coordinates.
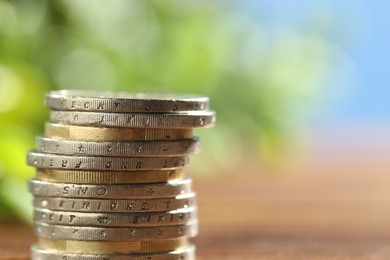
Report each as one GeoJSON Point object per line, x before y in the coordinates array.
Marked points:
{"type": "Point", "coordinates": [110, 182]}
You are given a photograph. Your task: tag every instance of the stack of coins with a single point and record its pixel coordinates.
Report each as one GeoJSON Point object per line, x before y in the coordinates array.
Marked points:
{"type": "Point", "coordinates": [109, 181]}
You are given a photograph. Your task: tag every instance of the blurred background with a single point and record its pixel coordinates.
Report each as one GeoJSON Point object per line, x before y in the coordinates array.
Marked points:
{"type": "Point", "coordinates": [288, 79]}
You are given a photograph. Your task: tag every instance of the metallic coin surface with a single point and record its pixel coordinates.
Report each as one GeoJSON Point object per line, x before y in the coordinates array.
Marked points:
{"type": "Point", "coordinates": [171, 218]}
{"type": "Point", "coordinates": [115, 233]}
{"type": "Point", "coordinates": [109, 134]}
{"type": "Point", "coordinates": [110, 181]}
{"type": "Point", "coordinates": [184, 253]}
{"type": "Point", "coordinates": [117, 191]}
{"type": "Point", "coordinates": [108, 247]}
{"type": "Point", "coordinates": [108, 177]}
{"type": "Point", "coordinates": [135, 120]}
{"type": "Point", "coordinates": [118, 149]}
{"type": "Point", "coordinates": [116, 205]}
{"type": "Point", "coordinates": [119, 102]}
{"type": "Point", "coordinates": [66, 162]}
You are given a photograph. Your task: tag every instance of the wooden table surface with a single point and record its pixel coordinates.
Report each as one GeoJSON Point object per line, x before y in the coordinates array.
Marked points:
{"type": "Point", "coordinates": [334, 205]}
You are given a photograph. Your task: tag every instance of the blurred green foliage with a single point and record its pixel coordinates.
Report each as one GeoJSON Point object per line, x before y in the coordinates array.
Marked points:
{"type": "Point", "coordinates": [259, 81]}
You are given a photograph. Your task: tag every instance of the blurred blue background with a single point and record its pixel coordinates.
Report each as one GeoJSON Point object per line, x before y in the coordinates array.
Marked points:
{"type": "Point", "coordinates": [361, 29]}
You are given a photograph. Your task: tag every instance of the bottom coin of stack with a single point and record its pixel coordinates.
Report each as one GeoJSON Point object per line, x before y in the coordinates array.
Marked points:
{"type": "Point", "coordinates": [110, 185]}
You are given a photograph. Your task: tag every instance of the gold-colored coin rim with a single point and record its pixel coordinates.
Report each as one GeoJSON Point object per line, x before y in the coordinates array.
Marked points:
{"type": "Point", "coordinates": [111, 247]}
{"type": "Point", "coordinates": [108, 134]}
{"type": "Point", "coordinates": [108, 177]}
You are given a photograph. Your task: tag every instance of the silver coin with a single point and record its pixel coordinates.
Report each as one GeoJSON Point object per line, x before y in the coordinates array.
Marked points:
{"type": "Point", "coordinates": [115, 233]}
{"type": "Point", "coordinates": [175, 217]}
{"type": "Point", "coordinates": [119, 149]}
{"type": "Point", "coordinates": [119, 102]}
{"type": "Point", "coordinates": [135, 120]}
{"type": "Point", "coordinates": [117, 191]}
{"type": "Point", "coordinates": [187, 253]}
{"type": "Point", "coordinates": [113, 205]}
{"type": "Point", "coordinates": [66, 162]}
